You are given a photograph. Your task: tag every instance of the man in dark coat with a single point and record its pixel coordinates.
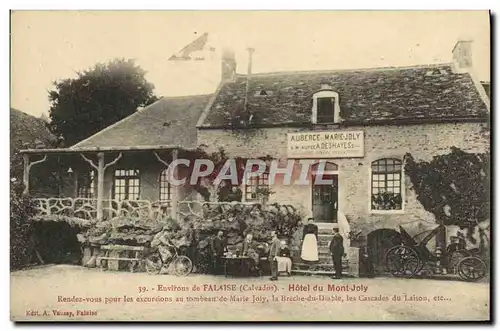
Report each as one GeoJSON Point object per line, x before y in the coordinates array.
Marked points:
{"type": "Point", "coordinates": [218, 247]}
{"type": "Point", "coordinates": [337, 251]}
{"type": "Point", "coordinates": [273, 252]}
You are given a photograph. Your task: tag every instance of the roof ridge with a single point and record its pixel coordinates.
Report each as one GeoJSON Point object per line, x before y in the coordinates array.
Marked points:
{"type": "Point", "coordinates": [301, 72]}
{"type": "Point", "coordinates": [186, 96]}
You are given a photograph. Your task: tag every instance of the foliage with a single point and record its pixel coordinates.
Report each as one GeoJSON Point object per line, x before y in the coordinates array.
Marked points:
{"type": "Point", "coordinates": [285, 219]}
{"type": "Point", "coordinates": [29, 132]}
{"type": "Point", "coordinates": [229, 194]}
{"type": "Point", "coordinates": [239, 220]}
{"type": "Point", "coordinates": [22, 208]}
{"type": "Point", "coordinates": [97, 98]}
{"type": "Point", "coordinates": [263, 193]}
{"type": "Point", "coordinates": [354, 232]}
{"type": "Point", "coordinates": [455, 187]}
{"type": "Point", "coordinates": [386, 201]}
{"type": "Point", "coordinates": [223, 191]}
{"type": "Point", "coordinates": [236, 220]}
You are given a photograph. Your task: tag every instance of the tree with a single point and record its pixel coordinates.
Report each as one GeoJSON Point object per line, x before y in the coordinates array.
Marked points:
{"type": "Point", "coordinates": [455, 187]}
{"type": "Point", "coordinates": [97, 98]}
{"type": "Point", "coordinates": [29, 132]}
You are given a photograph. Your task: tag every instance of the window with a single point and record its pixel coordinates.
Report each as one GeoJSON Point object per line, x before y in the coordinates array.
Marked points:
{"type": "Point", "coordinates": [85, 183]}
{"type": "Point", "coordinates": [386, 184]}
{"type": "Point", "coordinates": [254, 184]}
{"type": "Point", "coordinates": [165, 188]}
{"type": "Point", "coordinates": [126, 185]}
{"type": "Point", "coordinates": [329, 167]}
{"type": "Point", "coordinates": [326, 108]}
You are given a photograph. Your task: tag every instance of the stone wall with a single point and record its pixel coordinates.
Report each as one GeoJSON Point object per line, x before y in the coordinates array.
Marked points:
{"type": "Point", "coordinates": [422, 141]}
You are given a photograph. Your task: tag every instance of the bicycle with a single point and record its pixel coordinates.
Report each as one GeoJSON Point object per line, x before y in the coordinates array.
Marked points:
{"type": "Point", "coordinates": [154, 263]}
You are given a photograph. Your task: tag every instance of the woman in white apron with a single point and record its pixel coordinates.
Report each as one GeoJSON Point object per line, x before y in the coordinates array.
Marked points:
{"type": "Point", "coordinates": [309, 251]}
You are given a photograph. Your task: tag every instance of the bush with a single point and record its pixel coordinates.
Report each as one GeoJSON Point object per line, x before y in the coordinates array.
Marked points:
{"type": "Point", "coordinates": [22, 209]}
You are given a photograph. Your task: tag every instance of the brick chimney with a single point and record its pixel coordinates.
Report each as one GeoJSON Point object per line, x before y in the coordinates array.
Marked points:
{"type": "Point", "coordinates": [228, 65]}
{"type": "Point", "coordinates": [462, 55]}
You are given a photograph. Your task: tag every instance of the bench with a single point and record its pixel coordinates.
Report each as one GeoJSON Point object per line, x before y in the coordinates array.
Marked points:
{"type": "Point", "coordinates": [114, 251]}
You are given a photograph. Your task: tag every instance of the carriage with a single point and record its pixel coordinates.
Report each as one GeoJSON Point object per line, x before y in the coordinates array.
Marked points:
{"type": "Point", "coordinates": [409, 257]}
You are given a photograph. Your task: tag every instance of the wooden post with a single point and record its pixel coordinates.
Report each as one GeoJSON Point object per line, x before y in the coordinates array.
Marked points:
{"type": "Point", "coordinates": [100, 186]}
{"type": "Point", "coordinates": [75, 183]}
{"type": "Point", "coordinates": [175, 195]}
{"type": "Point", "coordinates": [26, 173]}
{"type": "Point", "coordinates": [101, 168]}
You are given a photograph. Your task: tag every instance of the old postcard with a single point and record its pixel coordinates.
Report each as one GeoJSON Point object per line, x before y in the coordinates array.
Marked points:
{"type": "Point", "coordinates": [250, 166]}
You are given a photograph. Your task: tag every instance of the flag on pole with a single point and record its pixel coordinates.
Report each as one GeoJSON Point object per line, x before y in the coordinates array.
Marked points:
{"type": "Point", "coordinates": [197, 50]}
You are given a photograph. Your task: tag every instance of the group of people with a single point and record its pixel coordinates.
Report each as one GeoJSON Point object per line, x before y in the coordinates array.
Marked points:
{"type": "Point", "coordinates": [309, 249]}
{"type": "Point", "coordinates": [278, 254]}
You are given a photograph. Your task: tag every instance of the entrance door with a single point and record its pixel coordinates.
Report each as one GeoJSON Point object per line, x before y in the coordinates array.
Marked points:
{"type": "Point", "coordinates": [325, 200]}
{"type": "Point", "coordinates": [378, 243]}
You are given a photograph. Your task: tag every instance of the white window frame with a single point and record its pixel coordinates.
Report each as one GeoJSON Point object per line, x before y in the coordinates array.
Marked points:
{"type": "Point", "coordinates": [169, 188]}
{"type": "Point", "coordinates": [127, 178]}
{"type": "Point", "coordinates": [403, 188]}
{"type": "Point", "coordinates": [336, 110]}
{"type": "Point", "coordinates": [245, 181]}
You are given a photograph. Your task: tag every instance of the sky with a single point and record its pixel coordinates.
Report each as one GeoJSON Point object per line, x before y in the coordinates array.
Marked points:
{"type": "Point", "coordinates": [51, 45]}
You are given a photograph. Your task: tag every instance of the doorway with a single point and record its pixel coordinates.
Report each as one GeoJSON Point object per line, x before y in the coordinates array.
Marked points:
{"type": "Point", "coordinates": [378, 244]}
{"type": "Point", "coordinates": [325, 199]}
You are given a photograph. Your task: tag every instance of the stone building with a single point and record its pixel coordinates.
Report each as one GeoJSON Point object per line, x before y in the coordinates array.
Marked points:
{"type": "Point", "coordinates": [362, 122]}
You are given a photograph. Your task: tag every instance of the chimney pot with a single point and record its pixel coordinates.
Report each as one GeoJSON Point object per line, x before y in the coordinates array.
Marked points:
{"type": "Point", "coordinates": [228, 65]}
{"type": "Point", "coordinates": [250, 60]}
{"type": "Point", "coordinates": [462, 54]}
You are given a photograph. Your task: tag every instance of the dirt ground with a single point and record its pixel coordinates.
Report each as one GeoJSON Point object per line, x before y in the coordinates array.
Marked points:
{"type": "Point", "coordinates": [50, 293]}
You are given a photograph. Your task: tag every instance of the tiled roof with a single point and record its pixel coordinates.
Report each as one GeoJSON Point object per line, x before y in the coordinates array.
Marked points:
{"type": "Point", "coordinates": [25, 130]}
{"type": "Point", "coordinates": [168, 121]}
{"type": "Point", "coordinates": [366, 96]}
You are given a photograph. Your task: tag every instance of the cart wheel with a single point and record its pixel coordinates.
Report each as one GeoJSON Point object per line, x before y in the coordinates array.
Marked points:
{"type": "Point", "coordinates": [403, 261]}
{"type": "Point", "coordinates": [471, 269]}
{"type": "Point", "coordinates": [153, 264]}
{"type": "Point", "coordinates": [183, 265]}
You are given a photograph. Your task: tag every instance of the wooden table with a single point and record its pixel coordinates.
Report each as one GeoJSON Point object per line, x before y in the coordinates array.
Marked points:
{"type": "Point", "coordinates": [238, 261]}
{"type": "Point", "coordinates": [112, 254]}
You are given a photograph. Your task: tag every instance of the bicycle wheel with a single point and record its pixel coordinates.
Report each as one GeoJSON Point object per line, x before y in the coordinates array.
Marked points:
{"type": "Point", "coordinates": [183, 265]}
{"type": "Point", "coordinates": [472, 269]}
{"type": "Point", "coordinates": [153, 264]}
{"type": "Point", "coordinates": [403, 261]}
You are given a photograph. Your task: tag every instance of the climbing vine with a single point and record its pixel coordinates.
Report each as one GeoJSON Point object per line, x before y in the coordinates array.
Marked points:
{"type": "Point", "coordinates": [225, 190]}
{"type": "Point", "coordinates": [455, 187]}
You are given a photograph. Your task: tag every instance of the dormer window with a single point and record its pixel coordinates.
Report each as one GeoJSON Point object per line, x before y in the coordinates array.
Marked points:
{"type": "Point", "coordinates": [326, 108]}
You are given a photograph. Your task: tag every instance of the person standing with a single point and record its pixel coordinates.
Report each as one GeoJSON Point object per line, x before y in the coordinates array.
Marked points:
{"type": "Point", "coordinates": [193, 245]}
{"type": "Point", "coordinates": [249, 251]}
{"type": "Point", "coordinates": [309, 250]}
{"type": "Point", "coordinates": [273, 253]}
{"type": "Point", "coordinates": [337, 250]}
{"type": "Point", "coordinates": [218, 246]}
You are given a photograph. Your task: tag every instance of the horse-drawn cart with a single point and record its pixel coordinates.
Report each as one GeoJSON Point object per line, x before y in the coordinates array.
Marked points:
{"type": "Point", "coordinates": [409, 257]}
